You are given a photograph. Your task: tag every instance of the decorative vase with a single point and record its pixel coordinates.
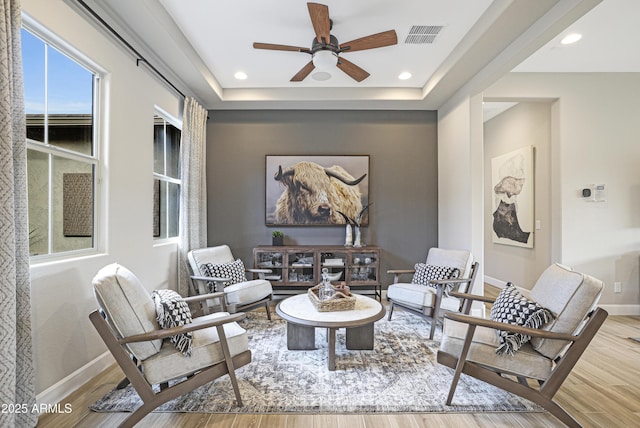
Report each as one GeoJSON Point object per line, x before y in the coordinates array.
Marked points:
{"type": "Point", "coordinates": [348, 237]}
{"type": "Point", "coordinates": [356, 240]}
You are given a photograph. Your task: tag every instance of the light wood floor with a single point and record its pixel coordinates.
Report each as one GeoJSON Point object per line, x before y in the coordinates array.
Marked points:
{"type": "Point", "coordinates": [602, 391]}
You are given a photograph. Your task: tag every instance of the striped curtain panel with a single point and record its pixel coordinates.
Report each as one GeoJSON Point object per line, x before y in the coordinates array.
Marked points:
{"type": "Point", "coordinates": [16, 355]}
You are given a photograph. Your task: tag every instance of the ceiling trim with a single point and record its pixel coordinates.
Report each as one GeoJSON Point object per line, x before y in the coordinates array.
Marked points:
{"type": "Point", "coordinates": [177, 41]}
{"type": "Point", "coordinates": [507, 33]}
{"type": "Point", "coordinates": [545, 27]}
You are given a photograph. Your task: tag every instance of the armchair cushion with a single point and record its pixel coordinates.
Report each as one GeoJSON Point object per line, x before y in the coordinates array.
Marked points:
{"type": "Point", "coordinates": [528, 362]}
{"type": "Point", "coordinates": [128, 307]}
{"type": "Point", "coordinates": [425, 273]}
{"type": "Point", "coordinates": [248, 291]}
{"type": "Point", "coordinates": [234, 271]}
{"type": "Point", "coordinates": [568, 295]}
{"type": "Point", "coordinates": [511, 307]}
{"type": "Point", "coordinates": [170, 364]}
{"type": "Point", "coordinates": [420, 296]}
{"type": "Point", "coordinates": [173, 311]}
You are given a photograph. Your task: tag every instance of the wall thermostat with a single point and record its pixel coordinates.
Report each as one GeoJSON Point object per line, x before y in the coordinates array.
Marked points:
{"type": "Point", "coordinates": [594, 193]}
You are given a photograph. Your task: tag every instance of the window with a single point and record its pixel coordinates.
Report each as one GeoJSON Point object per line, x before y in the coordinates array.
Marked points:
{"type": "Point", "coordinates": [62, 163]}
{"type": "Point", "coordinates": [166, 174]}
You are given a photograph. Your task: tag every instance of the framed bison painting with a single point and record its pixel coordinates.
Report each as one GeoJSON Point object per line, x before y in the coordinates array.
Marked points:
{"type": "Point", "coordinates": [316, 190]}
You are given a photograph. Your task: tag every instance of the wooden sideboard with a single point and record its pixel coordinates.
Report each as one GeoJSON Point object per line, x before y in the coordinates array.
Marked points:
{"type": "Point", "coordinates": [295, 268]}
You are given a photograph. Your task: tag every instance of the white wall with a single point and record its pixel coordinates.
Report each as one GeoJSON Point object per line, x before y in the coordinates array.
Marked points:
{"type": "Point", "coordinates": [526, 124]}
{"type": "Point", "coordinates": [65, 343]}
{"type": "Point", "coordinates": [597, 140]}
{"type": "Point", "coordinates": [460, 192]}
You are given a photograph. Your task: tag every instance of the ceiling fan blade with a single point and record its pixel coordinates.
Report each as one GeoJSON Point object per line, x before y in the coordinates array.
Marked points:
{"type": "Point", "coordinates": [355, 72]}
{"type": "Point", "coordinates": [386, 38]}
{"type": "Point", "coordinates": [320, 19]}
{"type": "Point", "coordinates": [273, 47]}
{"type": "Point", "coordinates": [304, 72]}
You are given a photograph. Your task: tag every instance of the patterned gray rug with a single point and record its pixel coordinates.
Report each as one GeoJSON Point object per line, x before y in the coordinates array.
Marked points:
{"type": "Point", "coordinates": [400, 375]}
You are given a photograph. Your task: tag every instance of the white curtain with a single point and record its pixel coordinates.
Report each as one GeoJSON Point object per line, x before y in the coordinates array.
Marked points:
{"type": "Point", "coordinates": [193, 194]}
{"type": "Point", "coordinates": [16, 358]}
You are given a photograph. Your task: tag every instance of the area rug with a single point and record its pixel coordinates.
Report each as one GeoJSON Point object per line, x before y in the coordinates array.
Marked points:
{"type": "Point", "coordinates": [400, 375]}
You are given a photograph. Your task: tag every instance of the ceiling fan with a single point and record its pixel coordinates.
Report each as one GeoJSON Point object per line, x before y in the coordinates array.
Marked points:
{"type": "Point", "coordinates": [325, 49]}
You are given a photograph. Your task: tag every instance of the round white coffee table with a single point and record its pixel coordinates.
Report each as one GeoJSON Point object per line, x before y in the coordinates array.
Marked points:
{"type": "Point", "coordinates": [303, 318]}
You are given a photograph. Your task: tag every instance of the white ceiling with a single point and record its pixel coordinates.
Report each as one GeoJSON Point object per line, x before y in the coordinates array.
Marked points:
{"type": "Point", "coordinates": [611, 35]}
{"type": "Point", "coordinates": [257, 21]}
{"type": "Point", "coordinates": [199, 45]}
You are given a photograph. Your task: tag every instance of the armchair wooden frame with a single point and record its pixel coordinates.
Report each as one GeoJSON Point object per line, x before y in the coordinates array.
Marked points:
{"type": "Point", "coordinates": [435, 312]}
{"type": "Point", "coordinates": [543, 391]}
{"type": "Point", "coordinates": [151, 399]}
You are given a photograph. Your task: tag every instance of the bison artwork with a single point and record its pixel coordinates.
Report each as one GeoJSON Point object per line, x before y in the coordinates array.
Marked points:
{"type": "Point", "coordinates": [314, 194]}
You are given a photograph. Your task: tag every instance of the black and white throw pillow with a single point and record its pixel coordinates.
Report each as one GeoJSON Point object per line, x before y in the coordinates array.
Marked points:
{"type": "Point", "coordinates": [173, 311]}
{"type": "Point", "coordinates": [234, 271]}
{"type": "Point", "coordinates": [424, 273]}
{"type": "Point", "coordinates": [511, 307]}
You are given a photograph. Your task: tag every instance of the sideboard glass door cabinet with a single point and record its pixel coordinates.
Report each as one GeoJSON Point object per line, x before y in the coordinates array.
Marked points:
{"type": "Point", "coordinates": [296, 268]}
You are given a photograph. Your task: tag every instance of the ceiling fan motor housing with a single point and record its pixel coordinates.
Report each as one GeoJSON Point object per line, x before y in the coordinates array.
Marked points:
{"type": "Point", "coordinates": [332, 46]}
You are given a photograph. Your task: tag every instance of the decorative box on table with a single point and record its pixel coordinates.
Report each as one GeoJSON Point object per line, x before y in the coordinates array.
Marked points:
{"type": "Point", "coordinates": [341, 300]}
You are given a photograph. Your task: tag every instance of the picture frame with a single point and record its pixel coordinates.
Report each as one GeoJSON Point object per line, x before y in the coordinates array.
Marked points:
{"type": "Point", "coordinates": [512, 190]}
{"type": "Point", "coordinates": [312, 190]}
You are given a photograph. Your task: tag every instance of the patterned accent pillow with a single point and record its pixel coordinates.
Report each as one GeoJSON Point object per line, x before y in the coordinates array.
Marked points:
{"type": "Point", "coordinates": [173, 311]}
{"type": "Point", "coordinates": [424, 273]}
{"type": "Point", "coordinates": [234, 271]}
{"type": "Point", "coordinates": [511, 307]}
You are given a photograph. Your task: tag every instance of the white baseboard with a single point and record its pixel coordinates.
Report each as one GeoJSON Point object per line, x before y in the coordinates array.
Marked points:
{"type": "Point", "coordinates": [61, 389]}
{"type": "Point", "coordinates": [632, 310]}
{"type": "Point", "coordinates": [494, 281]}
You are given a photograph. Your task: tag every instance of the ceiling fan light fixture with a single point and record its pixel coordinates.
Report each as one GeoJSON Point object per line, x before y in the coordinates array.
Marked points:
{"type": "Point", "coordinates": [325, 60]}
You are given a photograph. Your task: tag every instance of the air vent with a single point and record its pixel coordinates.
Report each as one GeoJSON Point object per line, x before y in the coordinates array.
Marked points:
{"type": "Point", "coordinates": [423, 34]}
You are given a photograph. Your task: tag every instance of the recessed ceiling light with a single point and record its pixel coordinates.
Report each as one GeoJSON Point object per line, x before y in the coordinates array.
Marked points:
{"type": "Point", "coordinates": [570, 38]}
{"type": "Point", "coordinates": [240, 75]}
{"type": "Point", "coordinates": [404, 75]}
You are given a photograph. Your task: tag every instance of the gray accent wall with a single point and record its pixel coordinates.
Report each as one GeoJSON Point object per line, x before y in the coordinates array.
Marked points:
{"type": "Point", "coordinates": [402, 146]}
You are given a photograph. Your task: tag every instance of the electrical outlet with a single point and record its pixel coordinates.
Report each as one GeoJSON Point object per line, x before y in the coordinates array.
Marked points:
{"type": "Point", "coordinates": [617, 287]}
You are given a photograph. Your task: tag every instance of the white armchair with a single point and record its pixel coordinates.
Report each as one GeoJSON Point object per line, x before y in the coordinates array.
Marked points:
{"type": "Point", "coordinates": [539, 367]}
{"type": "Point", "coordinates": [217, 266]}
{"type": "Point", "coordinates": [430, 300]}
{"type": "Point", "coordinates": [126, 321]}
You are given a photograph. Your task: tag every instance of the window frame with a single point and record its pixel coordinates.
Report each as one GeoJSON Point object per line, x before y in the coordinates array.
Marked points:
{"type": "Point", "coordinates": [95, 160]}
{"type": "Point", "coordinates": [176, 123]}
